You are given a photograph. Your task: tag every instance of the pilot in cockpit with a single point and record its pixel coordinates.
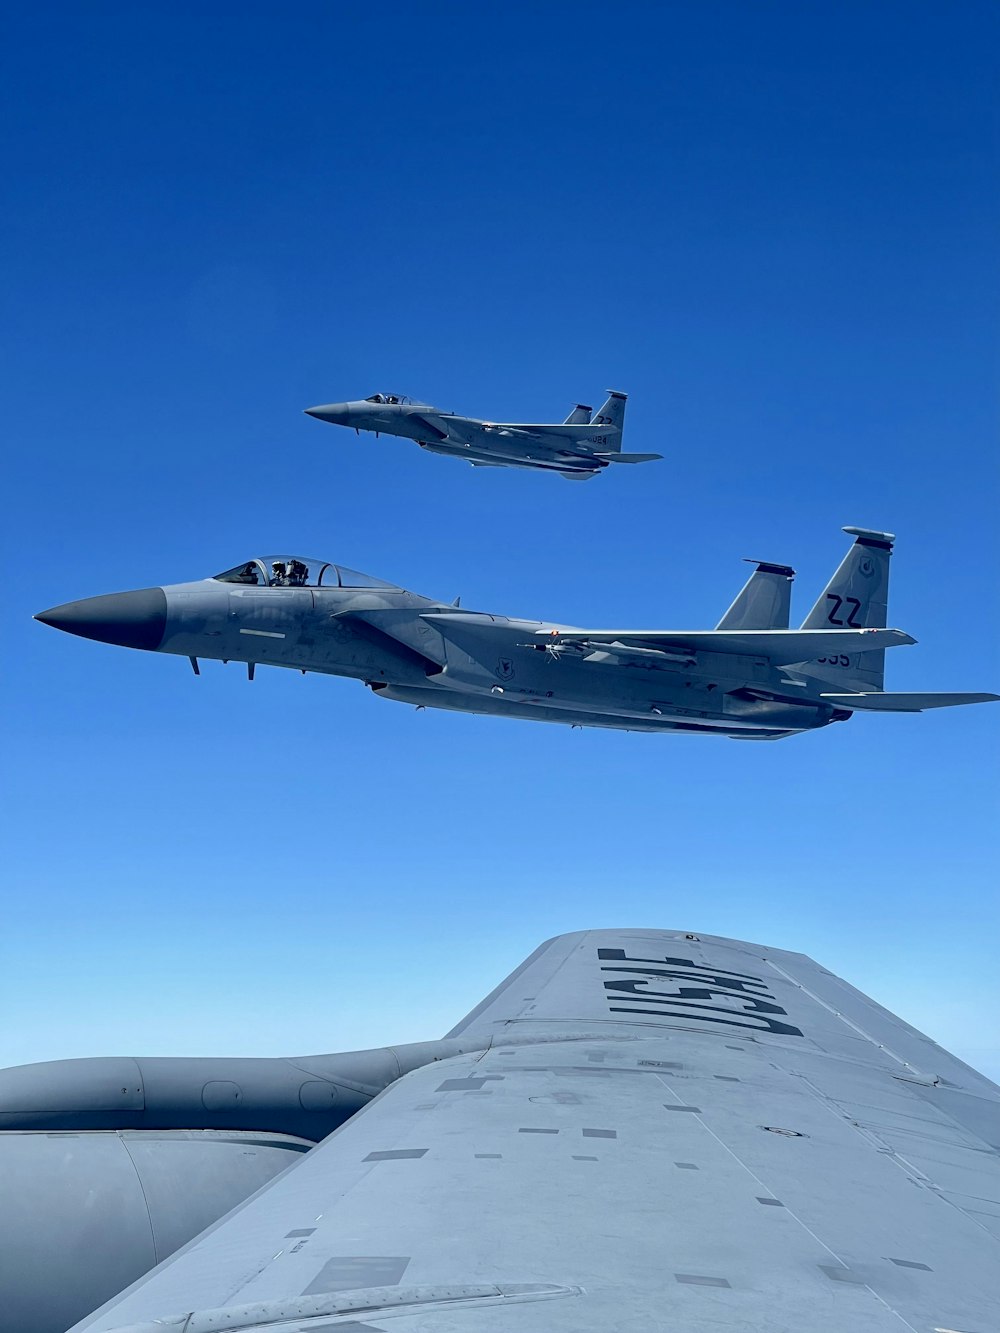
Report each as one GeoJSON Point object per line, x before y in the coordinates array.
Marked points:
{"type": "Point", "coordinates": [279, 574]}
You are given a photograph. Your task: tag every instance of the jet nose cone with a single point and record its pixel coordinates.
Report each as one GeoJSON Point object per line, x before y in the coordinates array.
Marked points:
{"type": "Point", "coordinates": [131, 619]}
{"type": "Point", "coordinates": [336, 413]}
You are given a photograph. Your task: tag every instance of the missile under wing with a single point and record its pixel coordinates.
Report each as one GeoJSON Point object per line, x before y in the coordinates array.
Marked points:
{"type": "Point", "coordinates": [577, 448]}
{"type": "Point", "coordinates": [648, 1130]}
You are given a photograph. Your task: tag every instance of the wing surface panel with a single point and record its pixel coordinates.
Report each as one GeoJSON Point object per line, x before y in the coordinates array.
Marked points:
{"type": "Point", "coordinates": [634, 1171]}
{"type": "Point", "coordinates": [552, 434]}
{"type": "Point", "coordinates": [782, 647]}
{"type": "Point", "coordinates": [565, 979]}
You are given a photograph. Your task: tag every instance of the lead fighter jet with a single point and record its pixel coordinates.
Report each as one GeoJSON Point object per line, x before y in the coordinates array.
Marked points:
{"type": "Point", "coordinates": [578, 448]}
{"type": "Point", "coordinates": [751, 678]}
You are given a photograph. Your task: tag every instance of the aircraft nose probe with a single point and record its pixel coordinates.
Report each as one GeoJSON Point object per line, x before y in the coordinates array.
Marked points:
{"type": "Point", "coordinates": [129, 619]}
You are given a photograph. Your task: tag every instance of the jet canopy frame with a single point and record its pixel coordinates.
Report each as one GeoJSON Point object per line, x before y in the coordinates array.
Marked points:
{"type": "Point", "coordinates": [296, 571]}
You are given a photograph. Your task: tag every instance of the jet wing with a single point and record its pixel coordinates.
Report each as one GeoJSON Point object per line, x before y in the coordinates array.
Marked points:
{"type": "Point", "coordinates": [581, 444]}
{"type": "Point", "coordinates": [661, 1132]}
{"type": "Point", "coordinates": [782, 647]}
{"type": "Point", "coordinates": [467, 430]}
{"type": "Point", "coordinates": [552, 435]}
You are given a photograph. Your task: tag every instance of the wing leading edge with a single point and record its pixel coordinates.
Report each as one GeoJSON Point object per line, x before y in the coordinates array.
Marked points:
{"type": "Point", "coordinates": [782, 647]}
{"type": "Point", "coordinates": [660, 1131]}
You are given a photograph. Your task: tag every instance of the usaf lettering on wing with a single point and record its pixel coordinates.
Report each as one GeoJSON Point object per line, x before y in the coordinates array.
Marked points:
{"type": "Point", "coordinates": [752, 1005]}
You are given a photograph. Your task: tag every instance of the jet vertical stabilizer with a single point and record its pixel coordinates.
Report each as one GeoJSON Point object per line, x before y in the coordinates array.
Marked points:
{"type": "Point", "coordinates": [857, 597]}
{"type": "Point", "coordinates": [612, 415]}
{"type": "Point", "coordinates": [580, 416]}
{"type": "Point", "coordinates": [612, 418]}
{"type": "Point", "coordinates": [764, 600]}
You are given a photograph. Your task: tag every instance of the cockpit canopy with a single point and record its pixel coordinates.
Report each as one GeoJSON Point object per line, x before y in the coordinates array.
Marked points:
{"type": "Point", "coordinates": [397, 398]}
{"type": "Point", "coordinates": [296, 571]}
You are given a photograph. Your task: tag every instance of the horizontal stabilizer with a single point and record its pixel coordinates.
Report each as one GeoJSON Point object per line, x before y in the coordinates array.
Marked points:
{"type": "Point", "coordinates": [782, 647]}
{"type": "Point", "coordinates": [882, 702]}
{"type": "Point", "coordinates": [630, 458]}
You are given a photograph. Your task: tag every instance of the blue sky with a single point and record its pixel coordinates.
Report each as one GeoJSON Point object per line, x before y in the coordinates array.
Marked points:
{"type": "Point", "coordinates": [774, 225]}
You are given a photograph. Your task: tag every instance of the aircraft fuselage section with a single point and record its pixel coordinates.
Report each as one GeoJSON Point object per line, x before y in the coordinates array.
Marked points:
{"type": "Point", "coordinates": [493, 665]}
{"type": "Point", "coordinates": [307, 629]}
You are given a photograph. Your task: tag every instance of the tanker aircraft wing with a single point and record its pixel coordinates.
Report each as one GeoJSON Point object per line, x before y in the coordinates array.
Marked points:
{"type": "Point", "coordinates": [660, 1131]}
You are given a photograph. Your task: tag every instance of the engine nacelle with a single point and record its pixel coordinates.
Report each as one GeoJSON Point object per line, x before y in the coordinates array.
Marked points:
{"type": "Point", "coordinates": [85, 1213]}
{"type": "Point", "coordinates": [108, 1165]}
{"type": "Point", "coordinates": [309, 1096]}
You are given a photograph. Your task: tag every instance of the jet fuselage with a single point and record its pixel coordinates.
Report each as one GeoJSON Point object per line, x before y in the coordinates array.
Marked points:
{"type": "Point", "coordinates": [420, 651]}
{"type": "Point", "coordinates": [577, 448]}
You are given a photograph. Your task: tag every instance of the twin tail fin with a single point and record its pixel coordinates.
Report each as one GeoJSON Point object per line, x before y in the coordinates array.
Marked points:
{"type": "Point", "coordinates": [857, 597]}
{"type": "Point", "coordinates": [764, 600]}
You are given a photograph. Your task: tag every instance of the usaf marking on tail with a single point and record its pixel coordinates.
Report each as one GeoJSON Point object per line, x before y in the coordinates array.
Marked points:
{"type": "Point", "coordinates": [751, 678]}
{"type": "Point", "coordinates": [578, 448]}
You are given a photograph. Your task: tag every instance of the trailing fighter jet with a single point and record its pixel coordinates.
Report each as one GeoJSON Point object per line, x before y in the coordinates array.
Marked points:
{"type": "Point", "coordinates": [638, 1129]}
{"type": "Point", "coordinates": [750, 678]}
{"type": "Point", "coordinates": [579, 448]}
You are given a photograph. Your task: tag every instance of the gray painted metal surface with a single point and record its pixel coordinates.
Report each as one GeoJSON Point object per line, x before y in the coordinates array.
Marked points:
{"type": "Point", "coordinates": [578, 448]}
{"type": "Point", "coordinates": [305, 1095]}
{"type": "Point", "coordinates": [661, 1131]}
{"type": "Point", "coordinates": [750, 679]}
{"type": "Point", "coordinates": [84, 1214]}
{"type": "Point", "coordinates": [108, 1165]}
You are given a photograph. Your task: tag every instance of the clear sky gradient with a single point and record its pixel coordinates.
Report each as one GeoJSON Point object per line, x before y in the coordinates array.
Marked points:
{"type": "Point", "coordinates": [774, 225]}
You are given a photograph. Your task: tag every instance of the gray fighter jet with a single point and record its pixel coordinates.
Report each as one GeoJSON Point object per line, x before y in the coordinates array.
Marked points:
{"type": "Point", "coordinates": [578, 448]}
{"type": "Point", "coordinates": [750, 678]}
{"type": "Point", "coordinates": [638, 1129]}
